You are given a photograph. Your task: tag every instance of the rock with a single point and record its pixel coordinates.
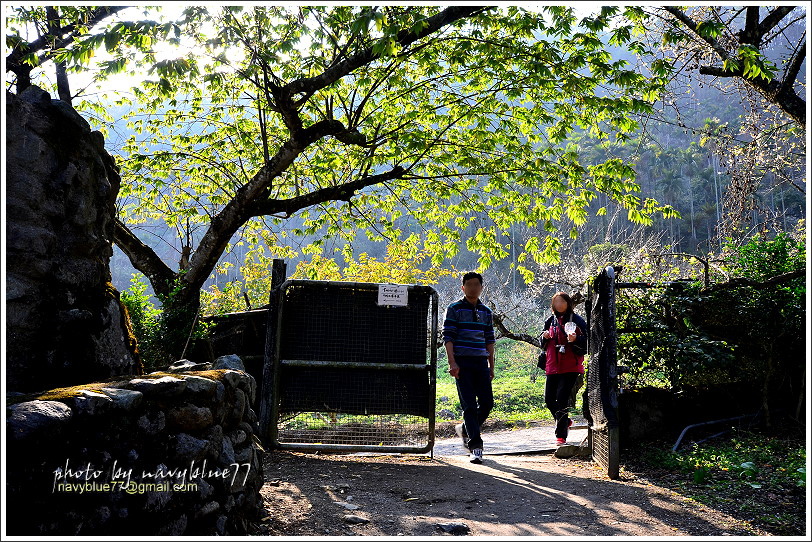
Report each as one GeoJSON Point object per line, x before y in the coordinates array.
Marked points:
{"type": "Point", "coordinates": [347, 506]}
{"type": "Point", "coordinates": [208, 508]}
{"type": "Point", "coordinates": [166, 386]}
{"type": "Point", "coordinates": [236, 414]}
{"type": "Point", "coordinates": [36, 96]}
{"type": "Point", "coordinates": [219, 392]}
{"type": "Point", "coordinates": [200, 386]}
{"type": "Point", "coordinates": [454, 528]}
{"type": "Point", "coordinates": [175, 527]}
{"type": "Point", "coordinates": [229, 504]}
{"type": "Point", "coordinates": [232, 361]}
{"type": "Point", "coordinates": [215, 436]}
{"type": "Point", "coordinates": [206, 489]}
{"type": "Point", "coordinates": [190, 418]}
{"type": "Point", "coordinates": [251, 417]}
{"type": "Point", "coordinates": [70, 113]}
{"type": "Point", "coordinates": [126, 400]}
{"type": "Point", "coordinates": [157, 500]}
{"type": "Point", "coordinates": [63, 319]}
{"type": "Point", "coordinates": [189, 448]}
{"type": "Point", "coordinates": [232, 378]}
{"type": "Point", "coordinates": [355, 520]}
{"type": "Point", "coordinates": [37, 418]}
{"type": "Point", "coordinates": [91, 403]}
{"type": "Point", "coordinates": [568, 450]}
{"type": "Point", "coordinates": [226, 454]}
{"type": "Point", "coordinates": [446, 414]}
{"type": "Point", "coordinates": [245, 426]}
{"type": "Point", "coordinates": [244, 454]}
{"type": "Point", "coordinates": [238, 437]}
{"type": "Point", "coordinates": [444, 399]}
{"type": "Point", "coordinates": [220, 525]}
{"type": "Point", "coordinates": [152, 423]}
{"type": "Point", "coordinates": [184, 365]}
{"type": "Point", "coordinates": [250, 388]}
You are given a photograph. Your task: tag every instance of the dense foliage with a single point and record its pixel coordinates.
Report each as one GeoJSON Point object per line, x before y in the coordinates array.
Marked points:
{"type": "Point", "coordinates": [753, 478]}
{"type": "Point", "coordinates": [748, 328]}
{"type": "Point", "coordinates": [375, 119]}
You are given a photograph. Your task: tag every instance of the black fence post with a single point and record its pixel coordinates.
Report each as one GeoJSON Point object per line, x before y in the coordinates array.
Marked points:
{"type": "Point", "coordinates": [266, 402]}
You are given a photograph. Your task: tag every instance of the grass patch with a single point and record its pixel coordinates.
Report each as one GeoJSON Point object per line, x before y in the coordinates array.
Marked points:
{"type": "Point", "coordinates": [752, 476]}
{"type": "Point", "coordinates": [518, 385]}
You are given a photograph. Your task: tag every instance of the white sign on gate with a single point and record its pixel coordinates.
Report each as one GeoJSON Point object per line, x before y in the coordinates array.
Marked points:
{"type": "Point", "coordinates": [393, 295]}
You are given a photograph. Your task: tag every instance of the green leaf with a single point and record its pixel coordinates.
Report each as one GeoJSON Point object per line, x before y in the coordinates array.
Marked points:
{"type": "Point", "coordinates": [710, 29]}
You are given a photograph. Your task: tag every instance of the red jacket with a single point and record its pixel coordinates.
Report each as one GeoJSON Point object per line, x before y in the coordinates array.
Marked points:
{"type": "Point", "coordinates": [569, 361]}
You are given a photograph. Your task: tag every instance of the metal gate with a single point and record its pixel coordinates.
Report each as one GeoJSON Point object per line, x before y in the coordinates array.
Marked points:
{"type": "Point", "coordinates": [354, 367]}
{"type": "Point", "coordinates": [600, 403]}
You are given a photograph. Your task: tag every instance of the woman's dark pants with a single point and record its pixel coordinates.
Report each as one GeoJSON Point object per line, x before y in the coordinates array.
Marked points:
{"type": "Point", "coordinates": [557, 394]}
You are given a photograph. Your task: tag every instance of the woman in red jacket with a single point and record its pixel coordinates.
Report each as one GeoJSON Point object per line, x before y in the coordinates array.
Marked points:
{"type": "Point", "coordinates": [564, 341]}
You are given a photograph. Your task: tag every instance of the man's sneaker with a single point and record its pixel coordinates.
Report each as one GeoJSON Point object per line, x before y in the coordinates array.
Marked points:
{"type": "Point", "coordinates": [560, 441]}
{"type": "Point", "coordinates": [476, 455]}
{"type": "Point", "coordinates": [460, 430]}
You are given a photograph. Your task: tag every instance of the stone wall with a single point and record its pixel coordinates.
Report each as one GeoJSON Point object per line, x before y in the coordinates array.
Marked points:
{"type": "Point", "coordinates": [64, 322]}
{"type": "Point", "coordinates": [169, 453]}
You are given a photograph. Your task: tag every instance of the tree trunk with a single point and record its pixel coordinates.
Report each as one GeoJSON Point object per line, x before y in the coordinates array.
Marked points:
{"type": "Point", "coordinates": [62, 85]}
{"type": "Point", "coordinates": [181, 314]}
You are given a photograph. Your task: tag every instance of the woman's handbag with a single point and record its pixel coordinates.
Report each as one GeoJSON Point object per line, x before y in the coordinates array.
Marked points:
{"type": "Point", "coordinates": [542, 362]}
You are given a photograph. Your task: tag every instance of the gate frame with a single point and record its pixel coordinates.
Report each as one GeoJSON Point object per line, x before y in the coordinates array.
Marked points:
{"type": "Point", "coordinates": [271, 405]}
{"type": "Point", "coordinates": [608, 382]}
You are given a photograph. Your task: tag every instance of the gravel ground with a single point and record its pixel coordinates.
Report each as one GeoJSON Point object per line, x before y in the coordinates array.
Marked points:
{"type": "Point", "coordinates": [521, 494]}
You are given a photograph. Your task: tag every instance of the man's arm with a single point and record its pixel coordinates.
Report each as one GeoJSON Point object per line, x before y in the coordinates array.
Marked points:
{"type": "Point", "coordinates": [490, 340]}
{"type": "Point", "coordinates": [453, 368]}
{"type": "Point", "coordinates": [449, 336]}
{"type": "Point", "coordinates": [491, 358]}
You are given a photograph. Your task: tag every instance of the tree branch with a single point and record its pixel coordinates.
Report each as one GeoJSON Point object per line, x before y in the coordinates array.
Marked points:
{"type": "Point", "coordinates": [792, 71]}
{"type": "Point", "coordinates": [252, 198]}
{"type": "Point", "coordinates": [750, 33]}
{"type": "Point", "coordinates": [62, 83]}
{"type": "Point", "coordinates": [687, 21]}
{"type": "Point", "coordinates": [144, 259]}
{"type": "Point", "coordinates": [342, 192]}
{"type": "Point", "coordinates": [310, 85]}
{"type": "Point", "coordinates": [781, 94]}
{"type": "Point", "coordinates": [498, 323]}
{"type": "Point", "coordinates": [52, 40]}
{"type": "Point", "coordinates": [773, 18]}
{"type": "Point", "coordinates": [241, 207]}
{"type": "Point", "coordinates": [740, 281]}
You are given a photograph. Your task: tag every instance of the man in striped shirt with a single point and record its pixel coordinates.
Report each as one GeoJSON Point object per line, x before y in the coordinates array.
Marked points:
{"type": "Point", "coordinates": [469, 341]}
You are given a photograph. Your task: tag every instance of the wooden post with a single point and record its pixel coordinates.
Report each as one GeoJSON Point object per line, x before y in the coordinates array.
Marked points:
{"type": "Point", "coordinates": [266, 401]}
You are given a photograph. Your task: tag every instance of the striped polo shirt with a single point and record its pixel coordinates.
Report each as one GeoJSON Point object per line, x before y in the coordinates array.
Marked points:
{"type": "Point", "coordinates": [469, 330]}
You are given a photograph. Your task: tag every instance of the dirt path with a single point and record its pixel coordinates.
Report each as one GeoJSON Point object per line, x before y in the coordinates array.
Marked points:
{"type": "Point", "coordinates": [507, 495]}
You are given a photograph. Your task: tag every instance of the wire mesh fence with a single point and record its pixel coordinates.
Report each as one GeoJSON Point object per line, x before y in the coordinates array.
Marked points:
{"type": "Point", "coordinates": [354, 374]}
{"type": "Point", "coordinates": [641, 335]}
{"type": "Point", "coordinates": [600, 405]}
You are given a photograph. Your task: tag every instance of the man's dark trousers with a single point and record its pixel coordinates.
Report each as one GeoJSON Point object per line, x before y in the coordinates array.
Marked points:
{"type": "Point", "coordinates": [476, 395]}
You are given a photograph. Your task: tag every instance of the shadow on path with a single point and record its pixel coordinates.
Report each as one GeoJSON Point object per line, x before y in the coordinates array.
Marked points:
{"type": "Point", "coordinates": [505, 496]}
